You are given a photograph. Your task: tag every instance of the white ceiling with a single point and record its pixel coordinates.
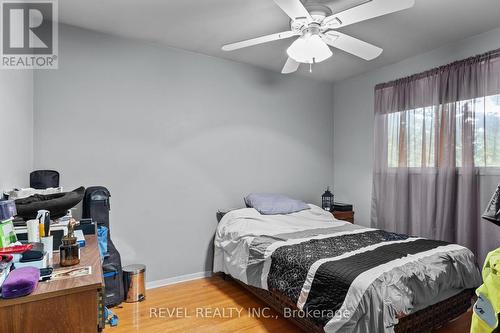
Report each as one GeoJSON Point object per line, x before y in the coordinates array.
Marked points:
{"type": "Point", "coordinates": [203, 26]}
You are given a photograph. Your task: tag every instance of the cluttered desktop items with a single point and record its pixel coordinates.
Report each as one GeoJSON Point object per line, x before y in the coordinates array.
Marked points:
{"type": "Point", "coordinates": [35, 246]}
{"type": "Point", "coordinates": [48, 256]}
{"type": "Point", "coordinates": [35, 223]}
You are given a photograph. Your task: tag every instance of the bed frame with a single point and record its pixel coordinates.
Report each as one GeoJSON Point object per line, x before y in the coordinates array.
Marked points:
{"type": "Point", "coordinates": [423, 321]}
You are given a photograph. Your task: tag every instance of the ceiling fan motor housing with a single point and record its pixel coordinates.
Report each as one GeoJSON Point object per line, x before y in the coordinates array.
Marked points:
{"type": "Point", "coordinates": [318, 12]}
{"type": "Point", "coordinates": [312, 29]}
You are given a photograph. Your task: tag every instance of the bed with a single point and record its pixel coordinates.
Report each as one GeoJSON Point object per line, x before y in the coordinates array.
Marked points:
{"type": "Point", "coordinates": [328, 275]}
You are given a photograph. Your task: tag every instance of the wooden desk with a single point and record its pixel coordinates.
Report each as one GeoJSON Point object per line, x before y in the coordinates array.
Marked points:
{"type": "Point", "coordinates": [62, 305]}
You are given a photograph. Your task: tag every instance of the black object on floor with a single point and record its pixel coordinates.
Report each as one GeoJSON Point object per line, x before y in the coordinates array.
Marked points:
{"type": "Point", "coordinates": [42, 179]}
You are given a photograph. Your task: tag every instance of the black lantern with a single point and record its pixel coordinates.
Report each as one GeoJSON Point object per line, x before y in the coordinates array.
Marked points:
{"type": "Point", "coordinates": [327, 200]}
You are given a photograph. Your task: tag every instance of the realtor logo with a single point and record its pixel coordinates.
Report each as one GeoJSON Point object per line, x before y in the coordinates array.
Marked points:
{"type": "Point", "coordinates": [29, 34]}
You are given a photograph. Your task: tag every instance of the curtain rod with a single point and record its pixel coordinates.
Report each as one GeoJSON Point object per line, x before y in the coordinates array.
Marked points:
{"type": "Point", "coordinates": [474, 59]}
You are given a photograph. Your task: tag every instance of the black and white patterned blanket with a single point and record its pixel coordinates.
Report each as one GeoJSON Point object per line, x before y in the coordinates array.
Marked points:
{"type": "Point", "coordinates": [336, 274]}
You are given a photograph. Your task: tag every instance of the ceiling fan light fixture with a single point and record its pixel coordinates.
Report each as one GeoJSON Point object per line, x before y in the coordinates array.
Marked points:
{"type": "Point", "coordinates": [309, 49]}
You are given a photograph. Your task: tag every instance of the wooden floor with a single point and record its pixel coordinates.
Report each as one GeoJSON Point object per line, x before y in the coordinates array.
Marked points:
{"type": "Point", "coordinates": [213, 305]}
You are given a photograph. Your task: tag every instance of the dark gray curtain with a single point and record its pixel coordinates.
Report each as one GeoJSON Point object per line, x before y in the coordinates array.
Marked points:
{"type": "Point", "coordinates": [433, 133]}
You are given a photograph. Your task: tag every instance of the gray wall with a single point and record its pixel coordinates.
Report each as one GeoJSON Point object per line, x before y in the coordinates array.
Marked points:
{"type": "Point", "coordinates": [353, 121]}
{"type": "Point", "coordinates": [16, 128]}
{"type": "Point", "coordinates": [176, 135]}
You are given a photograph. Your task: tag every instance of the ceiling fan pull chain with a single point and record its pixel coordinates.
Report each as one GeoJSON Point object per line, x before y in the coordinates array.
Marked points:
{"type": "Point", "coordinates": [311, 65]}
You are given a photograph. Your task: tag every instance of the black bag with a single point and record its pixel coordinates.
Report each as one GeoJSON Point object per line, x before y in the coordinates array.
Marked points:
{"type": "Point", "coordinates": [42, 179]}
{"type": "Point", "coordinates": [113, 277]}
{"type": "Point", "coordinates": [96, 206]}
{"type": "Point", "coordinates": [492, 212]}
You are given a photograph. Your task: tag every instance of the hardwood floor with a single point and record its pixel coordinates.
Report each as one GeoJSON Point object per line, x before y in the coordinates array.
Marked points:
{"type": "Point", "coordinates": [213, 305]}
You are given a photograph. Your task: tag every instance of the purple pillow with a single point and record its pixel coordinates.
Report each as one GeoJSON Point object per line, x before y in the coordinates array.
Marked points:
{"type": "Point", "coordinates": [273, 204]}
{"type": "Point", "coordinates": [20, 282]}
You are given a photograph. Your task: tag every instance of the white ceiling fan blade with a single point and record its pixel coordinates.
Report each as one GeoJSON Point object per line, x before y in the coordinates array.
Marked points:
{"type": "Point", "coordinates": [366, 11]}
{"type": "Point", "coordinates": [259, 40]}
{"type": "Point", "coordinates": [294, 8]}
{"type": "Point", "coordinates": [290, 66]}
{"type": "Point", "coordinates": [351, 45]}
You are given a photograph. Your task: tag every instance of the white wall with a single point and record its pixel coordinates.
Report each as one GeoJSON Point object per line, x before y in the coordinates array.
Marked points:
{"type": "Point", "coordinates": [16, 128]}
{"type": "Point", "coordinates": [176, 135]}
{"type": "Point", "coordinates": [354, 114]}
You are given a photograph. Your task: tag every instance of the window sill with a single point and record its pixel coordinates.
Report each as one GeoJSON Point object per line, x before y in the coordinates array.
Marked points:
{"type": "Point", "coordinates": [482, 171]}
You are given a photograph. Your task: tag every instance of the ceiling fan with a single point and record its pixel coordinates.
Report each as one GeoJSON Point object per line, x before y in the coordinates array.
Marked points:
{"type": "Point", "coordinates": [316, 25]}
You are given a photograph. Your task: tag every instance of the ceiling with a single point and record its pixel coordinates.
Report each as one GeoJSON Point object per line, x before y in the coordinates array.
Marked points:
{"type": "Point", "coordinates": [204, 26]}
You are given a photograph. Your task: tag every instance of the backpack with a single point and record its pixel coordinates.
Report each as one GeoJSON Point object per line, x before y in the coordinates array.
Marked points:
{"type": "Point", "coordinates": [486, 310]}
{"type": "Point", "coordinates": [96, 206]}
{"type": "Point", "coordinates": [114, 292]}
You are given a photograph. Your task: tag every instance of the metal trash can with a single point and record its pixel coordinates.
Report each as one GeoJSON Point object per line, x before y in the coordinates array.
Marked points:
{"type": "Point", "coordinates": [134, 283]}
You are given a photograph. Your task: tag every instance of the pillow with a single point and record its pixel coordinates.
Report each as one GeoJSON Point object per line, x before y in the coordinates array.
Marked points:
{"type": "Point", "coordinates": [273, 204]}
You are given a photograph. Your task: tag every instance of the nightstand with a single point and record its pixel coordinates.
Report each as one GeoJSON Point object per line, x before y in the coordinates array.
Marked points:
{"type": "Point", "coordinates": [345, 216]}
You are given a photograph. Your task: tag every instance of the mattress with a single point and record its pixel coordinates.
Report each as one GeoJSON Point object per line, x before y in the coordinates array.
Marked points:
{"type": "Point", "coordinates": [343, 277]}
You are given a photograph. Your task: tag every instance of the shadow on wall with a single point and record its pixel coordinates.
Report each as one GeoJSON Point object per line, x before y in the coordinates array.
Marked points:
{"type": "Point", "coordinates": [209, 260]}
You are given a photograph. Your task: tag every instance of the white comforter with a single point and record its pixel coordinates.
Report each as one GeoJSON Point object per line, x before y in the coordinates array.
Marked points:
{"type": "Point", "coordinates": [375, 298]}
{"type": "Point", "coordinates": [238, 228]}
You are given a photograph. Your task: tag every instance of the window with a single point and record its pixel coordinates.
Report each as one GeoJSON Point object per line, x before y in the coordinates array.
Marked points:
{"type": "Point", "coordinates": [411, 134]}
{"type": "Point", "coordinates": [487, 138]}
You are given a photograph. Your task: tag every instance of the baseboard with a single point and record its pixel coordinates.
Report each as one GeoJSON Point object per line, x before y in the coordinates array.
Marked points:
{"type": "Point", "coordinates": [177, 279]}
